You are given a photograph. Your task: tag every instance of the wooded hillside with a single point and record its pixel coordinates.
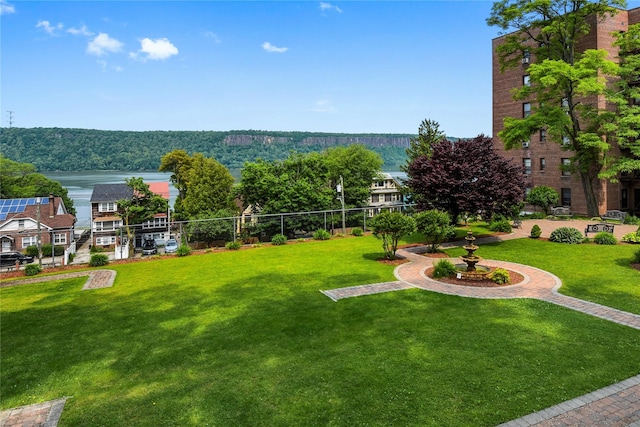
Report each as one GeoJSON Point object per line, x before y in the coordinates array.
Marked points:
{"type": "Point", "coordinates": [51, 149]}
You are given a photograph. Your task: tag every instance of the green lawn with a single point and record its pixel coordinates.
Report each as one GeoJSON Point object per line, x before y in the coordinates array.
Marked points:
{"type": "Point", "coordinates": [246, 338]}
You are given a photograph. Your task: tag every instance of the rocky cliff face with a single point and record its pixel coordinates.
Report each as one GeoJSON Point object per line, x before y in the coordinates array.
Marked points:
{"type": "Point", "coordinates": [322, 141]}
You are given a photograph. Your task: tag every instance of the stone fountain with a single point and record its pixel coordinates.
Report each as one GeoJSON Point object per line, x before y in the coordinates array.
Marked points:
{"type": "Point", "coordinates": [472, 270]}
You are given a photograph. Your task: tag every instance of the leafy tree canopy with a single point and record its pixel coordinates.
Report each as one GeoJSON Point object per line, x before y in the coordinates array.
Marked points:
{"type": "Point", "coordinates": [390, 227]}
{"type": "Point", "coordinates": [428, 134]}
{"type": "Point", "coordinates": [19, 180]}
{"type": "Point", "coordinates": [543, 197]}
{"type": "Point", "coordinates": [436, 227]}
{"type": "Point", "coordinates": [467, 176]}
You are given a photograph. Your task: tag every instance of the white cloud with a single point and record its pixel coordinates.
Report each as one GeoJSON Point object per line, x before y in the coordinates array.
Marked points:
{"type": "Point", "coordinates": [158, 49]}
{"type": "Point", "coordinates": [48, 28]}
{"type": "Point", "coordinates": [273, 49]}
{"type": "Point", "coordinates": [213, 36]}
{"type": "Point", "coordinates": [6, 8]}
{"type": "Point", "coordinates": [82, 31]}
{"type": "Point", "coordinates": [323, 106]}
{"type": "Point", "coordinates": [102, 44]}
{"type": "Point", "coordinates": [328, 6]}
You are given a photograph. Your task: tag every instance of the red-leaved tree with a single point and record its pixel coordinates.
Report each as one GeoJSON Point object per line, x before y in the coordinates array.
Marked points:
{"type": "Point", "coordinates": [466, 176]}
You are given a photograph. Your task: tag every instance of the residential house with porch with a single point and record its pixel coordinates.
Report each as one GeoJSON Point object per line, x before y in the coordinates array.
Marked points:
{"type": "Point", "coordinates": [106, 222]}
{"type": "Point", "coordinates": [386, 194]}
{"type": "Point", "coordinates": [23, 221]}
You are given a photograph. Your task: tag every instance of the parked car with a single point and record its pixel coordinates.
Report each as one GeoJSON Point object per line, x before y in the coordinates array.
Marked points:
{"type": "Point", "coordinates": [9, 259]}
{"type": "Point", "coordinates": [149, 247]}
{"type": "Point", "coordinates": [171, 246]}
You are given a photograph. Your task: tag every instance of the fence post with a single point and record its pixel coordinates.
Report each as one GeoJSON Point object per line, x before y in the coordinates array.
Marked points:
{"type": "Point", "coordinates": [282, 224]}
{"type": "Point", "coordinates": [234, 229]}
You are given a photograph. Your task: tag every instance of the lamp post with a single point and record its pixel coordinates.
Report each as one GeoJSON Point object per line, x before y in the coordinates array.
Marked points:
{"type": "Point", "coordinates": [341, 197]}
{"type": "Point", "coordinates": [39, 242]}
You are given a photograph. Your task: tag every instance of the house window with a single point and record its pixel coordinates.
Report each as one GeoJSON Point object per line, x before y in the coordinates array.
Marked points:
{"type": "Point", "coordinates": [624, 199]}
{"type": "Point", "coordinates": [526, 162]}
{"type": "Point", "coordinates": [375, 198]}
{"type": "Point", "coordinates": [60, 239]}
{"type": "Point", "coordinates": [107, 225]}
{"type": "Point", "coordinates": [155, 223]}
{"type": "Point", "coordinates": [543, 164]}
{"type": "Point", "coordinates": [526, 80]}
{"type": "Point", "coordinates": [21, 224]}
{"type": "Point", "coordinates": [29, 241]}
{"type": "Point", "coordinates": [543, 135]}
{"type": "Point", "coordinates": [387, 198]}
{"type": "Point", "coordinates": [107, 207]}
{"type": "Point", "coordinates": [104, 241]}
{"type": "Point", "coordinates": [565, 166]}
{"type": "Point", "coordinates": [565, 194]}
{"type": "Point", "coordinates": [526, 109]}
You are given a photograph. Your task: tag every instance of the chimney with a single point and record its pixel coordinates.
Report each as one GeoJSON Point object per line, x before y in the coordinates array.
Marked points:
{"type": "Point", "coordinates": [52, 210]}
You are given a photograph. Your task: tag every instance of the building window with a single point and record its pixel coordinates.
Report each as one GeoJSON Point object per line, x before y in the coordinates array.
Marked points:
{"type": "Point", "coordinates": [387, 198]}
{"type": "Point", "coordinates": [107, 225]}
{"type": "Point", "coordinates": [624, 199]}
{"type": "Point", "coordinates": [60, 239]}
{"type": "Point", "coordinates": [565, 140]}
{"type": "Point", "coordinates": [543, 135]}
{"type": "Point", "coordinates": [155, 223]}
{"type": "Point", "coordinates": [526, 162]}
{"type": "Point", "coordinates": [565, 166]}
{"type": "Point", "coordinates": [21, 224]}
{"type": "Point", "coordinates": [565, 194]}
{"type": "Point", "coordinates": [29, 241]}
{"type": "Point", "coordinates": [375, 198]}
{"type": "Point", "coordinates": [565, 105]}
{"type": "Point", "coordinates": [526, 109]}
{"type": "Point", "coordinates": [107, 207]}
{"type": "Point", "coordinates": [104, 241]}
{"type": "Point", "coordinates": [526, 80]}
{"type": "Point", "coordinates": [526, 56]}
{"type": "Point", "coordinates": [543, 164]}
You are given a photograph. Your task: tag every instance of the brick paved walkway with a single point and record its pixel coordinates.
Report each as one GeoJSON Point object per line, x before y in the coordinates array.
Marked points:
{"type": "Point", "coordinates": [44, 414]}
{"type": "Point", "coordinates": [96, 279]}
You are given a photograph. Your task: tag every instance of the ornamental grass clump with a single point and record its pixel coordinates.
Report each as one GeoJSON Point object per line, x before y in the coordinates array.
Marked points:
{"type": "Point", "coordinates": [444, 268]}
{"type": "Point", "coordinates": [605, 238]}
{"type": "Point", "coordinates": [357, 231]}
{"type": "Point", "coordinates": [500, 225]}
{"type": "Point", "coordinates": [233, 246]}
{"type": "Point", "coordinates": [183, 250]}
{"type": "Point", "coordinates": [536, 231]}
{"type": "Point", "coordinates": [568, 235]}
{"type": "Point", "coordinates": [279, 239]}
{"type": "Point", "coordinates": [321, 234]}
{"type": "Point", "coordinates": [32, 270]}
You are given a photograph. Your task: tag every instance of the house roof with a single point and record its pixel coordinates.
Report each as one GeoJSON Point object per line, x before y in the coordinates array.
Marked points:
{"type": "Point", "coordinates": [160, 188]}
{"type": "Point", "coordinates": [110, 193]}
{"type": "Point", "coordinates": [50, 216]}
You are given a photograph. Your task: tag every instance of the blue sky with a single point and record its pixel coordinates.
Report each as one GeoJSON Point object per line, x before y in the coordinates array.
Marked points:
{"type": "Point", "coordinates": [337, 66]}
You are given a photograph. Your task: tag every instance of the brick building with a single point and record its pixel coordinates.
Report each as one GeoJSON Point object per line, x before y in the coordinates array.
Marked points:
{"type": "Point", "coordinates": [542, 158]}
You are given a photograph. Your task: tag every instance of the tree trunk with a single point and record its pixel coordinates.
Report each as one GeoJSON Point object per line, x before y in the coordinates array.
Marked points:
{"type": "Point", "coordinates": [589, 194]}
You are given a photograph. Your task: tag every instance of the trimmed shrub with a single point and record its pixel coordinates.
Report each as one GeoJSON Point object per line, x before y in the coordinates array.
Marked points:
{"type": "Point", "coordinates": [444, 268]}
{"type": "Point", "coordinates": [183, 250]}
{"type": "Point", "coordinates": [568, 235]}
{"type": "Point", "coordinates": [500, 276]}
{"type": "Point", "coordinates": [98, 260]}
{"type": "Point", "coordinates": [31, 251]}
{"type": "Point", "coordinates": [233, 246]}
{"type": "Point", "coordinates": [636, 257]}
{"type": "Point", "coordinates": [632, 219]}
{"type": "Point", "coordinates": [536, 232]}
{"type": "Point", "coordinates": [32, 269]}
{"type": "Point", "coordinates": [279, 239]}
{"type": "Point", "coordinates": [633, 237]}
{"type": "Point", "coordinates": [357, 231]}
{"type": "Point", "coordinates": [46, 250]}
{"type": "Point", "coordinates": [605, 238]}
{"type": "Point", "coordinates": [501, 225]}
{"type": "Point", "coordinates": [321, 234]}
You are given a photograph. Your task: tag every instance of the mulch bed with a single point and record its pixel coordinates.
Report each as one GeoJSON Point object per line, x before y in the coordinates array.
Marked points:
{"type": "Point", "coordinates": [515, 279]}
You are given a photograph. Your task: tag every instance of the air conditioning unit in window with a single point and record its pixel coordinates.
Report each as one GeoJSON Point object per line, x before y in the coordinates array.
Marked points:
{"type": "Point", "coordinates": [525, 60]}
{"type": "Point", "coordinates": [525, 144]}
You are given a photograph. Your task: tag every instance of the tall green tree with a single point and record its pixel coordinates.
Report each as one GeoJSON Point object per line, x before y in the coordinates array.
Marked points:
{"type": "Point", "coordinates": [563, 80]}
{"type": "Point", "coordinates": [625, 94]}
{"type": "Point", "coordinates": [543, 197]}
{"type": "Point", "coordinates": [18, 180]}
{"type": "Point", "coordinates": [358, 167]}
{"type": "Point", "coordinates": [204, 185]}
{"type": "Point", "coordinates": [428, 134]}
{"type": "Point", "coordinates": [390, 227]}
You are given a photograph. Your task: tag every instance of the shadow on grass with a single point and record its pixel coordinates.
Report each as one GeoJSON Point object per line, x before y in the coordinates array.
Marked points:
{"type": "Point", "coordinates": [272, 350]}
